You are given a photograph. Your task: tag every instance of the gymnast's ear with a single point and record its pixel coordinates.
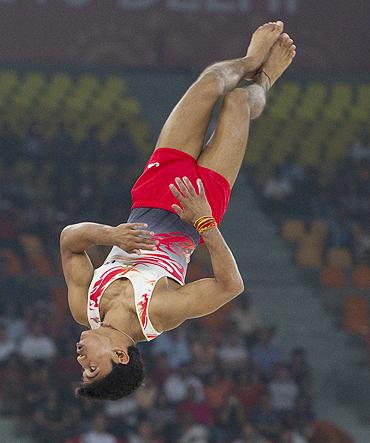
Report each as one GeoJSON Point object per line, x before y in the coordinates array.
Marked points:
{"type": "Point", "coordinates": [121, 357]}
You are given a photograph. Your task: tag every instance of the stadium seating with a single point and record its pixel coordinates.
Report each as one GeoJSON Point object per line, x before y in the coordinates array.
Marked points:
{"type": "Point", "coordinates": [320, 119]}
{"type": "Point", "coordinates": [361, 277]}
{"type": "Point", "coordinates": [78, 102]}
{"type": "Point", "coordinates": [356, 314]}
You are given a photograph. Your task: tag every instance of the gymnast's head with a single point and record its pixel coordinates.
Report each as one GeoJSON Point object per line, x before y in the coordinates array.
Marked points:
{"type": "Point", "coordinates": [110, 370]}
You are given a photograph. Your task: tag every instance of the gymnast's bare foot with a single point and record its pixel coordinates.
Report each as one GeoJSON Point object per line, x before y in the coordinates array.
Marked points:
{"type": "Point", "coordinates": [281, 56]}
{"type": "Point", "coordinates": [262, 41]}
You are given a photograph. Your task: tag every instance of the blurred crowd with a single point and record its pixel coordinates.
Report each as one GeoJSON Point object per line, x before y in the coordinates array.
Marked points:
{"type": "Point", "coordinates": [341, 196]}
{"type": "Point", "coordinates": [221, 379]}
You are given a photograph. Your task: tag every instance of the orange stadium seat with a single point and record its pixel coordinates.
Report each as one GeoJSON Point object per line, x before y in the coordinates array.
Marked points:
{"type": "Point", "coordinates": [293, 230]}
{"type": "Point", "coordinates": [31, 243]}
{"type": "Point", "coordinates": [339, 257]}
{"type": "Point", "coordinates": [13, 265]}
{"type": "Point", "coordinates": [361, 276]}
{"type": "Point", "coordinates": [356, 314]}
{"type": "Point", "coordinates": [41, 265]}
{"type": "Point", "coordinates": [333, 277]}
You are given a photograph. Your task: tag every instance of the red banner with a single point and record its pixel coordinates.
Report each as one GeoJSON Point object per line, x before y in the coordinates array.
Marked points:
{"type": "Point", "coordinates": [331, 36]}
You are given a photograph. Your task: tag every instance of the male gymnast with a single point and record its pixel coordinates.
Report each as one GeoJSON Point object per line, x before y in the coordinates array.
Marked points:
{"type": "Point", "coordinates": [170, 215]}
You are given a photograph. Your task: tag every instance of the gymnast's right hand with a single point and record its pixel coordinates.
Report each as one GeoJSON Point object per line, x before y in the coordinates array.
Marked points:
{"type": "Point", "coordinates": [193, 204]}
{"type": "Point", "coordinates": [131, 237]}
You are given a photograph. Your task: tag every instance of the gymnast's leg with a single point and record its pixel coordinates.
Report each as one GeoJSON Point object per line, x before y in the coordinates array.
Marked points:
{"type": "Point", "coordinates": [187, 124]}
{"type": "Point", "coordinates": [226, 149]}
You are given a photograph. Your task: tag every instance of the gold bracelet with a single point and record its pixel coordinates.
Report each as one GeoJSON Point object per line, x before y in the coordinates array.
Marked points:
{"type": "Point", "coordinates": [206, 228]}
{"type": "Point", "coordinates": [204, 223]}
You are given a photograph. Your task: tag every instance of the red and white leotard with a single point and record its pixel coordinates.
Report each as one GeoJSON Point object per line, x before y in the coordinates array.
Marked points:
{"type": "Point", "coordinates": [169, 260]}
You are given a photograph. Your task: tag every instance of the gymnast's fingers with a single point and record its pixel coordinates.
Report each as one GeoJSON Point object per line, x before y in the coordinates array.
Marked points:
{"type": "Point", "coordinates": [136, 225]}
{"type": "Point", "coordinates": [179, 211]}
{"type": "Point", "coordinates": [184, 190]}
{"type": "Point", "coordinates": [177, 193]}
{"type": "Point", "coordinates": [200, 187]}
{"type": "Point", "coordinates": [190, 186]}
{"type": "Point", "coordinates": [142, 233]}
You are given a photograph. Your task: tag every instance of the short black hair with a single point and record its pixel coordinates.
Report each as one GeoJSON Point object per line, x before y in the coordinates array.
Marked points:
{"type": "Point", "coordinates": [120, 382]}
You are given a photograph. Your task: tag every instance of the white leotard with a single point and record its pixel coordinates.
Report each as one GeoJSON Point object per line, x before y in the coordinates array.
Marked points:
{"type": "Point", "coordinates": [143, 271]}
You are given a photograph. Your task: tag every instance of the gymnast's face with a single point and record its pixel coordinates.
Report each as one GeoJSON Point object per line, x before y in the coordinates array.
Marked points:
{"type": "Point", "coordinates": [95, 354]}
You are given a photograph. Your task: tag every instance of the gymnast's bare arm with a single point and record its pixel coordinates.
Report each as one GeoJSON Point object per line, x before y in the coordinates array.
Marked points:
{"type": "Point", "coordinates": [77, 268]}
{"type": "Point", "coordinates": [205, 296]}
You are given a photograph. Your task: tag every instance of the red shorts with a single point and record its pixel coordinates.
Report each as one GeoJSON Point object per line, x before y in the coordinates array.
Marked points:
{"type": "Point", "coordinates": [151, 189]}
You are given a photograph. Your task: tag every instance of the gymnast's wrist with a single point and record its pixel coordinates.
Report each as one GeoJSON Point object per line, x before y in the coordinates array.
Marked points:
{"type": "Point", "coordinates": [204, 224]}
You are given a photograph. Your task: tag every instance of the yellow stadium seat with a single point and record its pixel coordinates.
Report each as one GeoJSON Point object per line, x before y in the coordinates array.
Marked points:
{"type": "Point", "coordinates": [309, 256]}
{"type": "Point", "coordinates": [293, 230]}
{"type": "Point", "coordinates": [339, 257]}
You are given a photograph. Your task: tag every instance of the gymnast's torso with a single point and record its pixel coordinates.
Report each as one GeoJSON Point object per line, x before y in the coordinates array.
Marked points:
{"type": "Point", "coordinates": [177, 241]}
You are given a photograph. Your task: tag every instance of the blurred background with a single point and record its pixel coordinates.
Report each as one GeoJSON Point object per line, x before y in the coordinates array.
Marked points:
{"type": "Point", "coordinates": [85, 87]}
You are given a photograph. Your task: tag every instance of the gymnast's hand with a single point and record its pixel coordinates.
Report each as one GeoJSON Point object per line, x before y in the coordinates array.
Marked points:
{"type": "Point", "coordinates": [193, 205]}
{"type": "Point", "coordinates": [131, 237]}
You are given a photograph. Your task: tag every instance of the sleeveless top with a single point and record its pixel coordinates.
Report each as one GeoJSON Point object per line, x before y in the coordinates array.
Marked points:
{"type": "Point", "coordinates": [177, 241]}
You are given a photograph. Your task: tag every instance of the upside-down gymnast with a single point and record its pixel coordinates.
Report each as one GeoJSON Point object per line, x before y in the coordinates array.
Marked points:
{"type": "Point", "coordinates": [139, 291]}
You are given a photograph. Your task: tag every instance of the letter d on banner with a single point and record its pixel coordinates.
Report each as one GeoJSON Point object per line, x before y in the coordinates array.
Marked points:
{"type": "Point", "coordinates": [135, 4]}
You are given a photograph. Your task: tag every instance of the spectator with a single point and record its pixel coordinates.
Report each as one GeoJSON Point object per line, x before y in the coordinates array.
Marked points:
{"type": "Point", "coordinates": [7, 346]}
{"type": "Point", "coordinates": [144, 434]}
{"type": "Point", "coordinates": [289, 436]}
{"type": "Point", "coordinates": [161, 369]}
{"type": "Point", "coordinates": [13, 323]}
{"type": "Point", "coordinates": [50, 420]}
{"type": "Point", "coordinates": [33, 145]}
{"type": "Point", "coordinates": [250, 435]}
{"type": "Point", "coordinates": [163, 417]}
{"type": "Point", "coordinates": [36, 344]}
{"type": "Point", "coordinates": [266, 419]}
{"type": "Point", "coordinates": [266, 353]}
{"type": "Point", "coordinates": [146, 396]}
{"type": "Point", "coordinates": [246, 319]}
{"type": "Point", "coordinates": [299, 369]}
{"type": "Point", "coordinates": [249, 389]}
{"type": "Point", "coordinates": [175, 346]}
{"type": "Point", "coordinates": [360, 150]}
{"type": "Point", "coordinates": [232, 352]}
{"type": "Point", "coordinates": [292, 170]}
{"type": "Point", "coordinates": [217, 388]}
{"type": "Point", "coordinates": [201, 412]}
{"type": "Point", "coordinates": [340, 230]}
{"type": "Point", "coordinates": [13, 384]}
{"type": "Point", "coordinates": [362, 243]}
{"type": "Point", "coordinates": [283, 390]}
{"type": "Point", "coordinates": [204, 355]}
{"type": "Point", "coordinates": [177, 385]}
{"type": "Point", "coordinates": [124, 410]}
{"type": "Point", "coordinates": [303, 415]}
{"type": "Point", "coordinates": [38, 386]}
{"type": "Point", "coordinates": [98, 432]}
{"type": "Point", "coordinates": [193, 432]}
{"type": "Point", "coordinates": [277, 189]}
{"type": "Point", "coordinates": [229, 420]}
